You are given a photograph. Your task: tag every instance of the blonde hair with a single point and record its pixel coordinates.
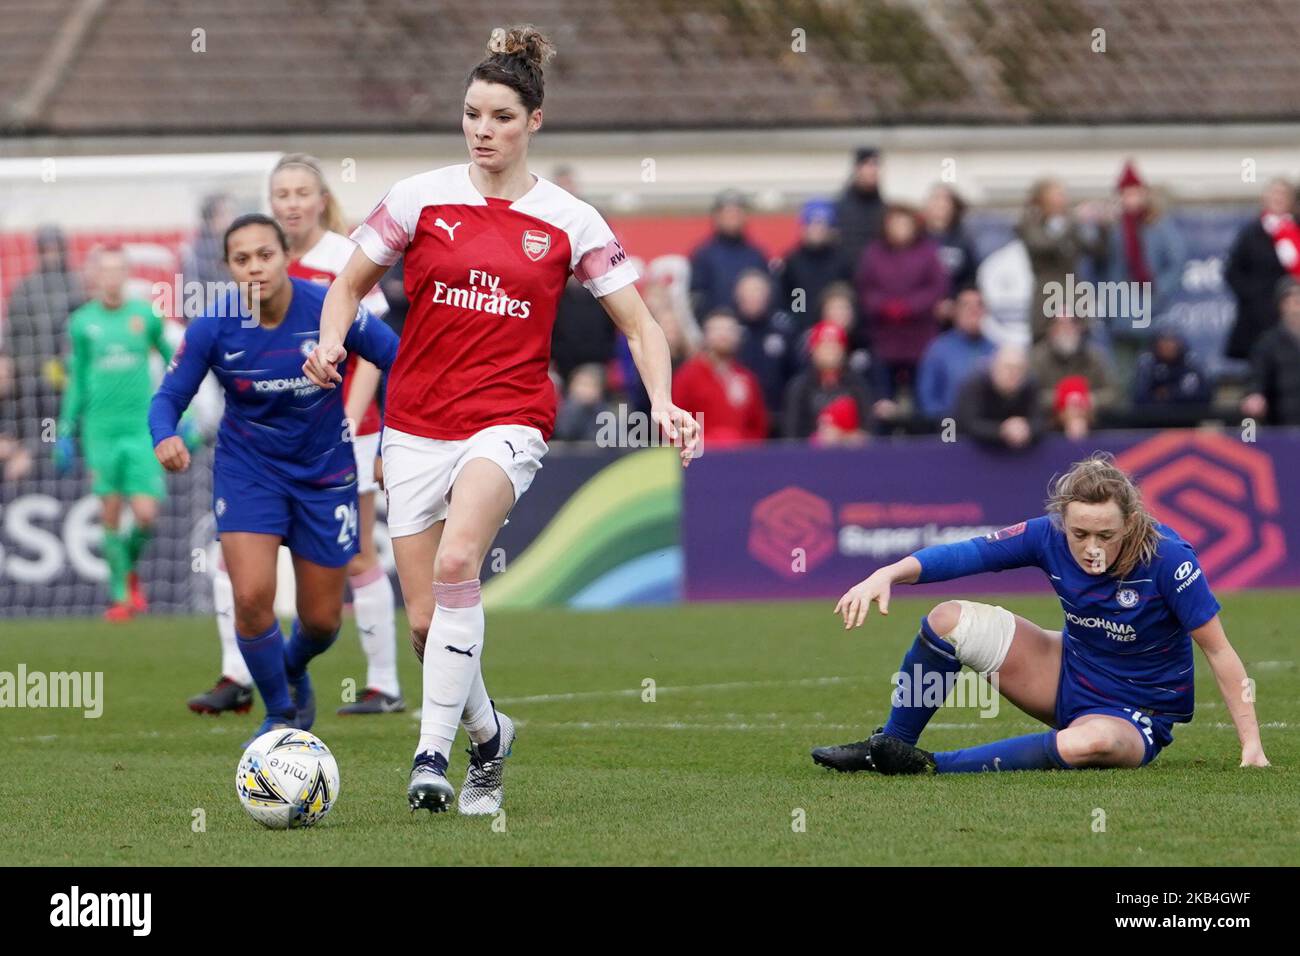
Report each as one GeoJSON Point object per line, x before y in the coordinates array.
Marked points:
{"type": "Point", "coordinates": [1096, 480]}
{"type": "Point", "coordinates": [333, 217]}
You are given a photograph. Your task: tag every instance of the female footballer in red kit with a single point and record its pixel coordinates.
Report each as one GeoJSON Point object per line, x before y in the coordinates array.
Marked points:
{"type": "Point", "coordinates": [488, 249]}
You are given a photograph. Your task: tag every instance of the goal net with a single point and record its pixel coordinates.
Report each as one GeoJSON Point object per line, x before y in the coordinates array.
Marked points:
{"type": "Point", "coordinates": [168, 214]}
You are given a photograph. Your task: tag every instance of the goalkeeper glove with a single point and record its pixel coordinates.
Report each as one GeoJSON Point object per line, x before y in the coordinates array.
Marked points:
{"type": "Point", "coordinates": [65, 453]}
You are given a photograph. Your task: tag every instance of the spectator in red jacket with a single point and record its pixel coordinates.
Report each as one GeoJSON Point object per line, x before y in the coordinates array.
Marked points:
{"type": "Point", "coordinates": [900, 281]}
{"type": "Point", "coordinates": [716, 386]}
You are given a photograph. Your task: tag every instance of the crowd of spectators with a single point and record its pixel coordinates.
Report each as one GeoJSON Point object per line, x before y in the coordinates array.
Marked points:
{"type": "Point", "coordinates": [873, 323]}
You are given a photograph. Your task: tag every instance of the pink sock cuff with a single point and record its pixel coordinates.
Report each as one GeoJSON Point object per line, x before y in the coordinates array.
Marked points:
{"type": "Point", "coordinates": [462, 594]}
{"type": "Point", "coordinates": [367, 577]}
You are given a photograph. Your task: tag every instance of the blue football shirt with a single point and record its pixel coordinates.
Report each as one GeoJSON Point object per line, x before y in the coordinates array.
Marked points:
{"type": "Point", "coordinates": [276, 420]}
{"type": "Point", "coordinates": [1126, 640]}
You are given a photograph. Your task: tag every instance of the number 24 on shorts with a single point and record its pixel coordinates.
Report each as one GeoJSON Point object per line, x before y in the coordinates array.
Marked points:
{"type": "Point", "coordinates": [347, 518]}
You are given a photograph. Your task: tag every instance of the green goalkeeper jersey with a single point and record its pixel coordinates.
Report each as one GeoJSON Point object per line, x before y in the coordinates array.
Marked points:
{"type": "Point", "coordinates": [110, 383]}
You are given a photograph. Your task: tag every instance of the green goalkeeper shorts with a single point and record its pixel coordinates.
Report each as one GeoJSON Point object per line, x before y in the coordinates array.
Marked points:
{"type": "Point", "coordinates": [124, 465]}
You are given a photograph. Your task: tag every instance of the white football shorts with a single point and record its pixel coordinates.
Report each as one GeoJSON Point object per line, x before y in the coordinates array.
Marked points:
{"type": "Point", "coordinates": [419, 472]}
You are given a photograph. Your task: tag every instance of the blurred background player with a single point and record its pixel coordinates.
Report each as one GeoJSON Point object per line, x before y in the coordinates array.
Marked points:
{"type": "Point", "coordinates": [487, 245]}
{"type": "Point", "coordinates": [283, 470]}
{"type": "Point", "coordinates": [311, 219]}
{"type": "Point", "coordinates": [111, 339]}
{"type": "Point", "coordinates": [1112, 682]}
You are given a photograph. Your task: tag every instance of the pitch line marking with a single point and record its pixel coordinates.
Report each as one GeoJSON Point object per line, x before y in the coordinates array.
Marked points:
{"type": "Point", "coordinates": [637, 691]}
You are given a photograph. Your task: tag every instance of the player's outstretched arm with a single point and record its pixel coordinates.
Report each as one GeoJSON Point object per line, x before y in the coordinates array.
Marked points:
{"type": "Point", "coordinates": [337, 315]}
{"type": "Point", "coordinates": [856, 602]}
{"type": "Point", "coordinates": [1236, 688]}
{"type": "Point", "coordinates": [649, 347]}
{"type": "Point", "coordinates": [189, 366]}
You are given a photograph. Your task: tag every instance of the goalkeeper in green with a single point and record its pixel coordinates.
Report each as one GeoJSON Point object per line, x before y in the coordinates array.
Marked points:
{"type": "Point", "coordinates": [110, 385]}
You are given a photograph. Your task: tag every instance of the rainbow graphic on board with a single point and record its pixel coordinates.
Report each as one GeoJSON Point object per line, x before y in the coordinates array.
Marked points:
{"type": "Point", "coordinates": [616, 541]}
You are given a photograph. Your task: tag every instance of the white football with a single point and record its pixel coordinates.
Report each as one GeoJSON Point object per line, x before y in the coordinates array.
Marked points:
{"type": "Point", "coordinates": [287, 779]}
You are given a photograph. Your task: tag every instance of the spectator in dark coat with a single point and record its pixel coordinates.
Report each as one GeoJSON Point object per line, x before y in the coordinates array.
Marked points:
{"type": "Point", "coordinates": [1056, 239]}
{"type": "Point", "coordinates": [36, 327]}
{"type": "Point", "coordinates": [817, 262]}
{"type": "Point", "coordinates": [204, 259]}
{"type": "Point", "coordinates": [900, 280]}
{"type": "Point", "coordinates": [999, 406]}
{"type": "Point", "coordinates": [716, 265]}
{"type": "Point", "coordinates": [1168, 375]}
{"type": "Point", "coordinates": [393, 286]}
{"type": "Point", "coordinates": [1255, 265]}
{"type": "Point", "coordinates": [1275, 361]}
{"type": "Point", "coordinates": [953, 357]}
{"type": "Point", "coordinates": [826, 380]}
{"type": "Point", "coordinates": [770, 339]}
{"type": "Point", "coordinates": [860, 212]}
{"type": "Point", "coordinates": [579, 416]}
{"type": "Point", "coordinates": [944, 212]}
{"type": "Point", "coordinates": [713, 384]}
{"type": "Point", "coordinates": [582, 333]}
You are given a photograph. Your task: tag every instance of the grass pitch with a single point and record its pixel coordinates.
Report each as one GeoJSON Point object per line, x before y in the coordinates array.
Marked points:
{"type": "Point", "coordinates": [714, 771]}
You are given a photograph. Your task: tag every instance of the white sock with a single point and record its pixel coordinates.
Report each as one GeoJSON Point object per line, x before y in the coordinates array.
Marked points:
{"type": "Point", "coordinates": [449, 674]}
{"type": "Point", "coordinates": [372, 603]}
{"type": "Point", "coordinates": [223, 600]}
{"type": "Point", "coordinates": [479, 718]}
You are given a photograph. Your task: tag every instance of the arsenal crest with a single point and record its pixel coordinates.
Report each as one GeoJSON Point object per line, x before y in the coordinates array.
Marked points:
{"type": "Point", "coordinates": [536, 243]}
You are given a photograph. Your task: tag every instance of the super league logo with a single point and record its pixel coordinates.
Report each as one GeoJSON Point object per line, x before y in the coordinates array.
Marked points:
{"type": "Point", "coordinates": [788, 519]}
{"type": "Point", "coordinates": [1219, 494]}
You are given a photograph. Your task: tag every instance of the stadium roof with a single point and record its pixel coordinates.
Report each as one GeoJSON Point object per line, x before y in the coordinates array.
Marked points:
{"type": "Point", "coordinates": [88, 67]}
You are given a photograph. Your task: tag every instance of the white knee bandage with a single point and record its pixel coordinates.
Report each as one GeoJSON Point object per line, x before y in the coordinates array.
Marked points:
{"type": "Point", "coordinates": [982, 636]}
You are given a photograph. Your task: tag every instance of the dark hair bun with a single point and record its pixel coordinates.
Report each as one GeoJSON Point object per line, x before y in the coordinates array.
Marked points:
{"type": "Point", "coordinates": [526, 42]}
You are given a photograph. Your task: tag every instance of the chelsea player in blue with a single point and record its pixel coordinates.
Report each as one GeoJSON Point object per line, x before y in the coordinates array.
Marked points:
{"type": "Point", "coordinates": [284, 470]}
{"type": "Point", "coordinates": [1111, 683]}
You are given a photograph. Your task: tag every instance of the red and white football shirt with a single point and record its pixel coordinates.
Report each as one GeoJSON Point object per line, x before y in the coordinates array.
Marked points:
{"type": "Point", "coordinates": [483, 277]}
{"type": "Point", "coordinates": [322, 263]}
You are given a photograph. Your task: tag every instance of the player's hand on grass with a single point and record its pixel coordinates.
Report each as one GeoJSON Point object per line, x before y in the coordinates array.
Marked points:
{"type": "Point", "coordinates": [65, 453]}
{"type": "Point", "coordinates": [855, 603]}
{"type": "Point", "coordinates": [173, 454]}
{"type": "Point", "coordinates": [1253, 757]}
{"type": "Point", "coordinates": [679, 427]}
{"type": "Point", "coordinates": [322, 366]}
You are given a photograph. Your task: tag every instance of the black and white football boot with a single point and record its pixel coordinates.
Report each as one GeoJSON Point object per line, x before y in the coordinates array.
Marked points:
{"type": "Point", "coordinates": [429, 789]}
{"type": "Point", "coordinates": [482, 792]}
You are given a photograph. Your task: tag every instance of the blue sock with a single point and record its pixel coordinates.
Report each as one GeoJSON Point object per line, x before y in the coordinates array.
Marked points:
{"type": "Point", "coordinates": [264, 655]}
{"type": "Point", "coordinates": [925, 669]}
{"type": "Point", "coordinates": [1030, 752]}
{"type": "Point", "coordinates": [300, 649]}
